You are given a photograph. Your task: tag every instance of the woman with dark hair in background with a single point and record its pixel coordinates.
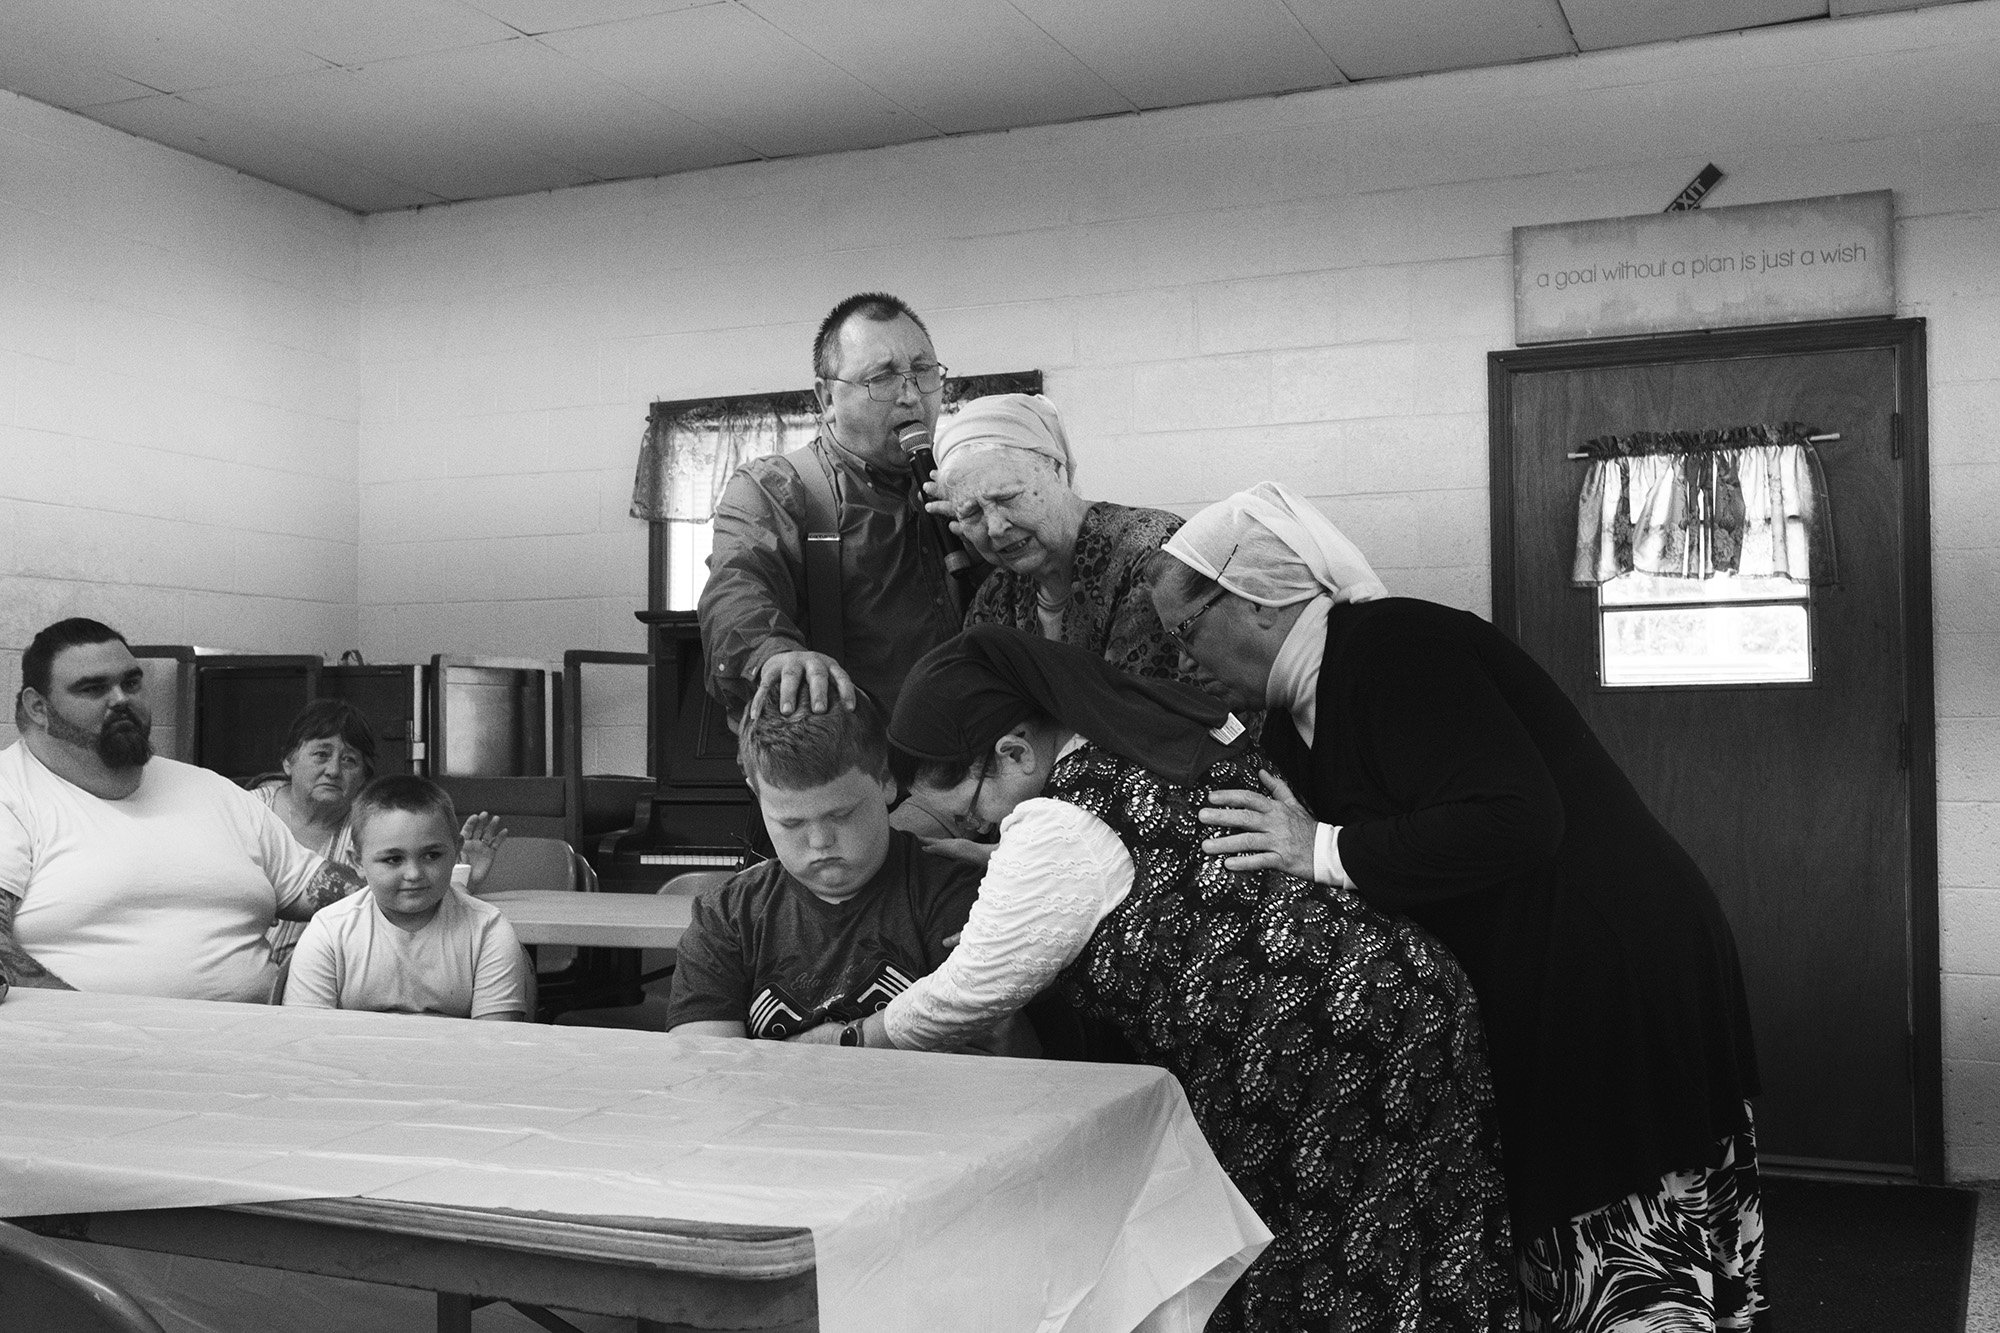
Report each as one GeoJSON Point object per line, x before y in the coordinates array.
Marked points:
{"type": "Point", "coordinates": [1331, 1053]}
{"type": "Point", "coordinates": [329, 756]}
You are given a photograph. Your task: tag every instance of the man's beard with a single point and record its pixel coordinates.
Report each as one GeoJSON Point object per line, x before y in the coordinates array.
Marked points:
{"type": "Point", "coordinates": [124, 741]}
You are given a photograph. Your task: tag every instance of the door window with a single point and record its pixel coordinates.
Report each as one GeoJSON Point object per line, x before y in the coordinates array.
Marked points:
{"type": "Point", "coordinates": [1656, 630]}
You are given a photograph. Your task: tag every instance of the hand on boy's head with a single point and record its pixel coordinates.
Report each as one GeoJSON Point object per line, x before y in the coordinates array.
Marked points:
{"type": "Point", "coordinates": [801, 678]}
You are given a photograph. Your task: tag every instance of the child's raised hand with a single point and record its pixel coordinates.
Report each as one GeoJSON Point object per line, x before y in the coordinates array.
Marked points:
{"type": "Point", "coordinates": [483, 834]}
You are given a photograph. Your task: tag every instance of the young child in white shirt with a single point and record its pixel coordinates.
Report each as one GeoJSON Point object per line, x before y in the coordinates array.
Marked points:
{"type": "Point", "coordinates": [412, 944]}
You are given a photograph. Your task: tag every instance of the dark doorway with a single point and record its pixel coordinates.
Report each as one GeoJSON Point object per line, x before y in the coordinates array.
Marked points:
{"type": "Point", "coordinates": [1809, 804]}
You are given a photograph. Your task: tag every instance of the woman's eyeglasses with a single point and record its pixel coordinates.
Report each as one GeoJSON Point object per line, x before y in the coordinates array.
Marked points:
{"type": "Point", "coordinates": [969, 822]}
{"type": "Point", "coordinates": [1180, 633]}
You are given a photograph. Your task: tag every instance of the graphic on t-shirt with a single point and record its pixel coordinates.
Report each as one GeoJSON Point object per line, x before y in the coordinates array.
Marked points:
{"type": "Point", "coordinates": [889, 982]}
{"type": "Point", "coordinates": [776, 1015]}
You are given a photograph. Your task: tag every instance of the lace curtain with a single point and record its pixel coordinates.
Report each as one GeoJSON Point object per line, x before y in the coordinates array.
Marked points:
{"type": "Point", "coordinates": [1749, 501]}
{"type": "Point", "coordinates": [691, 448]}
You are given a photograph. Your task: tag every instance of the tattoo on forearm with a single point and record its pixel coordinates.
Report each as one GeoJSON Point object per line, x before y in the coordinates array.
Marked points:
{"type": "Point", "coordinates": [17, 964]}
{"type": "Point", "coordinates": [333, 882]}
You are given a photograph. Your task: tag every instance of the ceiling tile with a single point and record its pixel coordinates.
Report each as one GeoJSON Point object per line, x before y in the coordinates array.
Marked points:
{"type": "Point", "coordinates": [401, 121]}
{"type": "Point", "coordinates": [1600, 24]}
{"type": "Point", "coordinates": [255, 150]}
{"type": "Point", "coordinates": [32, 69]}
{"type": "Point", "coordinates": [539, 16]}
{"type": "Point", "coordinates": [1843, 8]}
{"type": "Point", "coordinates": [1173, 52]}
{"type": "Point", "coordinates": [741, 77]}
{"type": "Point", "coordinates": [554, 106]}
{"type": "Point", "coordinates": [165, 45]}
{"type": "Point", "coordinates": [961, 65]}
{"type": "Point", "coordinates": [354, 32]}
{"type": "Point", "coordinates": [1370, 40]}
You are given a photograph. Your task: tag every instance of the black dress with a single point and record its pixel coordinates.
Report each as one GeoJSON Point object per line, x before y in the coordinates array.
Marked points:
{"type": "Point", "coordinates": [1473, 796]}
{"type": "Point", "coordinates": [1332, 1056]}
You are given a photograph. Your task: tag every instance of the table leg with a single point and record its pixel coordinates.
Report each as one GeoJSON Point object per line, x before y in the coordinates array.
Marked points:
{"type": "Point", "coordinates": [454, 1313]}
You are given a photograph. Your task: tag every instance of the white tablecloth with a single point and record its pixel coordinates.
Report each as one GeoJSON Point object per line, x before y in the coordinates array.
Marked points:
{"type": "Point", "coordinates": [942, 1191]}
{"type": "Point", "coordinates": [605, 920]}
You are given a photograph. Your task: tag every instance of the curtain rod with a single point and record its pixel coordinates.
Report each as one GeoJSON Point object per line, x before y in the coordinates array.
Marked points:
{"type": "Point", "coordinates": [1825, 438]}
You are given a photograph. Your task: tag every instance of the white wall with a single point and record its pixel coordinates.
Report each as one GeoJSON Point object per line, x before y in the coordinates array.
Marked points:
{"type": "Point", "coordinates": [1302, 287]}
{"type": "Point", "coordinates": [211, 391]}
{"type": "Point", "coordinates": [177, 397]}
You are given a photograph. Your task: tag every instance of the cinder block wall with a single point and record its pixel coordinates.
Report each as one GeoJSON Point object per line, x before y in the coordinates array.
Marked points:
{"type": "Point", "coordinates": [177, 397]}
{"type": "Point", "coordinates": [1302, 287]}
{"type": "Point", "coordinates": [211, 391]}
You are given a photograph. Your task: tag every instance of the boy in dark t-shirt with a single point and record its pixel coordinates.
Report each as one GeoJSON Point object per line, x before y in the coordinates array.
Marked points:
{"type": "Point", "coordinates": [849, 913]}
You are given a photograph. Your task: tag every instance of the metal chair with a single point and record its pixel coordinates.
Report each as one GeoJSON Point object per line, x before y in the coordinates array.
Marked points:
{"type": "Point", "coordinates": [537, 863]}
{"type": "Point", "coordinates": [583, 976]}
{"type": "Point", "coordinates": [650, 1013]}
{"type": "Point", "coordinates": [691, 882]}
{"type": "Point", "coordinates": [43, 1285]}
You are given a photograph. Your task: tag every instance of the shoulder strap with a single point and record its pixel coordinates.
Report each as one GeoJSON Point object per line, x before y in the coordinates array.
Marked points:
{"type": "Point", "coordinates": [825, 624]}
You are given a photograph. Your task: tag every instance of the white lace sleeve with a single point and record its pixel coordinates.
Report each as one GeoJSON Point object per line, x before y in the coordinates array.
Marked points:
{"type": "Point", "coordinates": [1055, 874]}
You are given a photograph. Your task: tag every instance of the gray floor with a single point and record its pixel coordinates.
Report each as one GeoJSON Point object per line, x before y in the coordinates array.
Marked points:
{"type": "Point", "coordinates": [1982, 1309]}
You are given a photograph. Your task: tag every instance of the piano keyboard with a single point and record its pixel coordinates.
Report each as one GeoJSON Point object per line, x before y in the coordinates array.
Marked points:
{"type": "Point", "coordinates": [712, 860]}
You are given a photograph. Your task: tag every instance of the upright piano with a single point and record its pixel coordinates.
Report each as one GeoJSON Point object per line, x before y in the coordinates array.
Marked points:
{"type": "Point", "coordinates": [702, 815]}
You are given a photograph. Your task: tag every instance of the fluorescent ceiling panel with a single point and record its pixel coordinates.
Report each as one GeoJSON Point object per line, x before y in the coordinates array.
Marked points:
{"type": "Point", "coordinates": [1371, 40]}
{"type": "Point", "coordinates": [1601, 24]}
{"type": "Point", "coordinates": [966, 64]}
{"type": "Point", "coordinates": [1173, 52]}
{"type": "Point", "coordinates": [733, 72]}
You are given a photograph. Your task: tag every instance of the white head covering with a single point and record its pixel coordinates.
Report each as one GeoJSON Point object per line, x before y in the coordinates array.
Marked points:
{"type": "Point", "coordinates": [1277, 548]}
{"type": "Point", "coordinates": [1011, 420]}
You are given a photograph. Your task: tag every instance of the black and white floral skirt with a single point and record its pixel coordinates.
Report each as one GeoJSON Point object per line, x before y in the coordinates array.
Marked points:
{"type": "Point", "coordinates": [1682, 1257]}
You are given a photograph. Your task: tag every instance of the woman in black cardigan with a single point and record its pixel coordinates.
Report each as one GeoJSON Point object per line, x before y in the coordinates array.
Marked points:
{"type": "Point", "coordinates": [1442, 774]}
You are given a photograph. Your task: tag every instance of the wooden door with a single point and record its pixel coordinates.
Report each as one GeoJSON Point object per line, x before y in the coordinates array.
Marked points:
{"type": "Point", "coordinates": [1809, 806]}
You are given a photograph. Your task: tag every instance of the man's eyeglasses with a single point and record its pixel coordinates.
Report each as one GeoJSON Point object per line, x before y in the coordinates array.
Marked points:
{"type": "Point", "coordinates": [888, 386]}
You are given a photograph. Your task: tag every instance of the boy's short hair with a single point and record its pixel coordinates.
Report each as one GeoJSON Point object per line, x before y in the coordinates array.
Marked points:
{"type": "Point", "coordinates": [807, 749]}
{"type": "Point", "coordinates": [406, 792]}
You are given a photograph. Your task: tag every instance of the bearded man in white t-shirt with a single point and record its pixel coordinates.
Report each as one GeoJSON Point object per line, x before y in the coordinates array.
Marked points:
{"type": "Point", "coordinates": [124, 872]}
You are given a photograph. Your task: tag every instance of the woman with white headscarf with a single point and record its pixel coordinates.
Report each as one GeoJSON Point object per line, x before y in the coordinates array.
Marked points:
{"type": "Point", "coordinates": [1442, 774]}
{"type": "Point", "coordinates": [1065, 568]}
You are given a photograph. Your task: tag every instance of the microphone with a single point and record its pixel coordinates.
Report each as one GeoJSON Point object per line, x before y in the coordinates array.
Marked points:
{"type": "Point", "coordinates": [915, 440]}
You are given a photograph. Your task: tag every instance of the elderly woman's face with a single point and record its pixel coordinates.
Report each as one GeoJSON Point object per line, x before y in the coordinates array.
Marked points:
{"type": "Point", "coordinates": [326, 771]}
{"type": "Point", "coordinates": [1012, 508]}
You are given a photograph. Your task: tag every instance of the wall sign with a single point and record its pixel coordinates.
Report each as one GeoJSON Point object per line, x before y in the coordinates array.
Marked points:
{"type": "Point", "coordinates": [1709, 268]}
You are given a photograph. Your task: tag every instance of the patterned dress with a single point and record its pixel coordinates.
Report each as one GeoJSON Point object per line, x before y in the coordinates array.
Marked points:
{"type": "Point", "coordinates": [1332, 1055]}
{"type": "Point", "coordinates": [1108, 613]}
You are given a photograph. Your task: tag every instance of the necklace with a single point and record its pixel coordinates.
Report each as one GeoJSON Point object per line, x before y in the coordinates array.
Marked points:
{"type": "Point", "coordinates": [1053, 605]}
